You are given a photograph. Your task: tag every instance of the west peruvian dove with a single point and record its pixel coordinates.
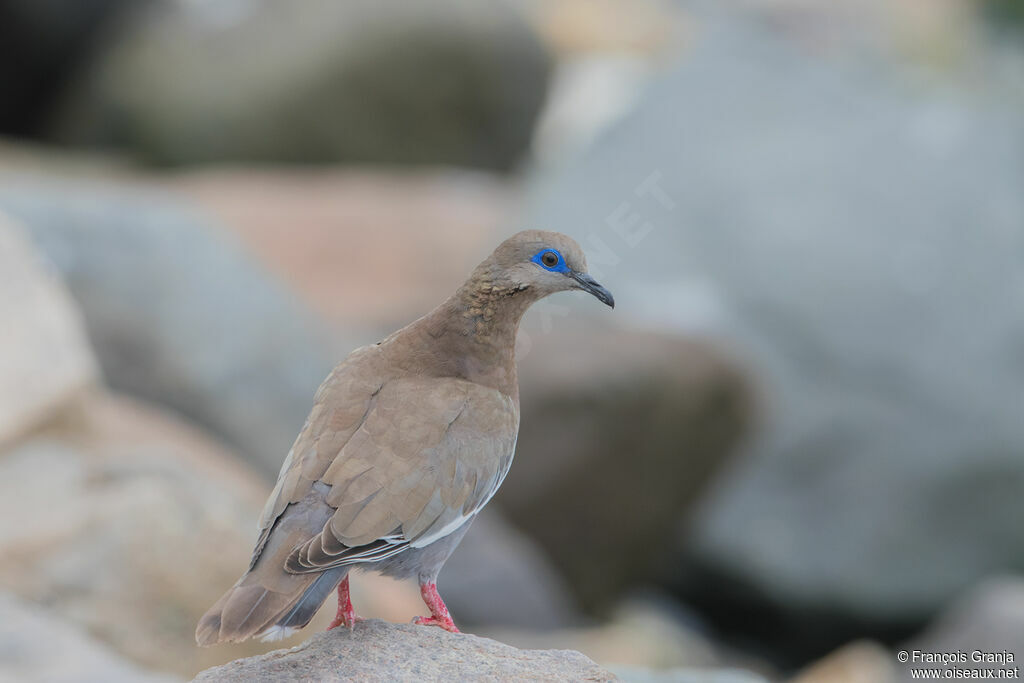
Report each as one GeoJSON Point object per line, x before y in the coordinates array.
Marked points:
{"type": "Point", "coordinates": [406, 442]}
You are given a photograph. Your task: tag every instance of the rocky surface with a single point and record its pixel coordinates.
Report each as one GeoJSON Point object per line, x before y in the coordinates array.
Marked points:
{"type": "Point", "coordinates": [379, 651]}
{"type": "Point", "coordinates": [809, 214]}
{"type": "Point", "coordinates": [989, 617]}
{"type": "Point", "coordinates": [639, 633]}
{"type": "Point", "coordinates": [40, 646]}
{"type": "Point", "coordinates": [499, 575]}
{"type": "Point", "coordinates": [986, 619]}
{"type": "Point", "coordinates": [862, 661]}
{"type": "Point", "coordinates": [636, 675]}
{"type": "Point", "coordinates": [351, 243]}
{"type": "Point", "coordinates": [138, 523]}
{"type": "Point", "coordinates": [178, 313]}
{"type": "Point", "coordinates": [120, 520]}
{"type": "Point", "coordinates": [621, 431]}
{"type": "Point", "coordinates": [46, 359]}
{"type": "Point", "coordinates": [444, 82]}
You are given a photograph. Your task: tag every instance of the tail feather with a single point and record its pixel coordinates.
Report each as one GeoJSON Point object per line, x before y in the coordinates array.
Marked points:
{"type": "Point", "coordinates": [243, 612]}
{"type": "Point", "coordinates": [268, 600]}
{"type": "Point", "coordinates": [246, 611]}
{"type": "Point", "coordinates": [307, 605]}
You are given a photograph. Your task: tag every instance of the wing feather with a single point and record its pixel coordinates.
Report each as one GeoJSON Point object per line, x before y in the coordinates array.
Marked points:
{"type": "Point", "coordinates": [406, 460]}
{"type": "Point", "coordinates": [425, 458]}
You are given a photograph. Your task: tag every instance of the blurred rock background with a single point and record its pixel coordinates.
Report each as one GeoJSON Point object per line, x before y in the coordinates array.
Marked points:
{"type": "Point", "coordinates": [795, 447]}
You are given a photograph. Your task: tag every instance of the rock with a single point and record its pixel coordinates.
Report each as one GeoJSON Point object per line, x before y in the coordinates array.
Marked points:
{"type": "Point", "coordinates": [31, 637]}
{"type": "Point", "coordinates": [573, 27]}
{"type": "Point", "coordinates": [20, 160]}
{"type": "Point", "coordinates": [177, 312]}
{"type": "Point", "coordinates": [862, 661]}
{"type": "Point", "coordinates": [379, 651]}
{"type": "Point", "coordinates": [638, 675]}
{"type": "Point", "coordinates": [621, 430]}
{"type": "Point", "coordinates": [132, 526]}
{"type": "Point", "coordinates": [499, 577]}
{"type": "Point", "coordinates": [45, 359]}
{"type": "Point", "coordinates": [752, 198]}
{"type": "Point", "coordinates": [444, 82]}
{"type": "Point", "coordinates": [639, 634]}
{"type": "Point", "coordinates": [988, 617]}
{"type": "Point", "coordinates": [325, 233]}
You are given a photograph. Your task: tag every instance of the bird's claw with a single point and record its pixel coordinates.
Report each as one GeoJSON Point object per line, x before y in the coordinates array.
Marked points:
{"type": "Point", "coordinates": [349, 620]}
{"type": "Point", "coordinates": [446, 624]}
{"type": "Point", "coordinates": [346, 615]}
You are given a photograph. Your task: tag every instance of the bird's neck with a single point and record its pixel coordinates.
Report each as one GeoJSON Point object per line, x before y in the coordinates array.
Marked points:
{"type": "Point", "coordinates": [476, 328]}
{"type": "Point", "coordinates": [488, 311]}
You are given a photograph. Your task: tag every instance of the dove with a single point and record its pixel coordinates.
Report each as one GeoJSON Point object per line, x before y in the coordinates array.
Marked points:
{"type": "Point", "coordinates": [407, 440]}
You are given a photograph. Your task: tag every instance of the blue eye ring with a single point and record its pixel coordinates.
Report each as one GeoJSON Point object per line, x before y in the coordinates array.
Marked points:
{"type": "Point", "coordinates": [543, 258]}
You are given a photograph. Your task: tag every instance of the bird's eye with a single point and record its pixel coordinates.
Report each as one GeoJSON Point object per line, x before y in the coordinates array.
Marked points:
{"type": "Point", "coordinates": [549, 259]}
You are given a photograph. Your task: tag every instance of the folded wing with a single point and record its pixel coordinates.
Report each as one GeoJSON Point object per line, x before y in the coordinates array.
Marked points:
{"type": "Point", "coordinates": [407, 460]}
{"type": "Point", "coordinates": [428, 455]}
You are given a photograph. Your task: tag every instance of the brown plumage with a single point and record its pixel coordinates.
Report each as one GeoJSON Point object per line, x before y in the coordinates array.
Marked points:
{"type": "Point", "coordinates": [407, 440]}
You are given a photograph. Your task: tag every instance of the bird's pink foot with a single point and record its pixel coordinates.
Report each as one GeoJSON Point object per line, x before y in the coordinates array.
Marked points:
{"type": "Point", "coordinates": [348, 620]}
{"type": "Point", "coordinates": [439, 615]}
{"type": "Point", "coordinates": [346, 615]}
{"type": "Point", "coordinates": [446, 624]}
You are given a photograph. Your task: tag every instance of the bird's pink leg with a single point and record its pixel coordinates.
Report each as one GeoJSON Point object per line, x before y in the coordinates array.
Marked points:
{"type": "Point", "coordinates": [346, 614]}
{"type": "Point", "coordinates": [439, 615]}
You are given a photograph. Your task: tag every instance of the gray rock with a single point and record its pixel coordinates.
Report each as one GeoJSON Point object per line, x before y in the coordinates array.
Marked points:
{"type": "Point", "coordinates": [442, 82]}
{"type": "Point", "coordinates": [39, 647]}
{"type": "Point", "coordinates": [129, 525]}
{"type": "Point", "coordinates": [984, 626]}
{"type": "Point", "coordinates": [499, 577]}
{"type": "Point", "coordinates": [862, 661]}
{"type": "Point", "coordinates": [621, 430]}
{"type": "Point", "coordinates": [379, 651]}
{"type": "Point", "coordinates": [856, 235]}
{"type": "Point", "coordinates": [989, 617]}
{"type": "Point", "coordinates": [636, 675]}
{"type": "Point", "coordinates": [177, 312]}
{"type": "Point", "coordinates": [45, 359]}
{"type": "Point", "coordinates": [324, 232]}
{"type": "Point", "coordinates": [651, 632]}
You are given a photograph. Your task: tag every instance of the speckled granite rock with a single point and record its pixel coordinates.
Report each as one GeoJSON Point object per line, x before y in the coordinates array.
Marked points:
{"type": "Point", "coordinates": [380, 651]}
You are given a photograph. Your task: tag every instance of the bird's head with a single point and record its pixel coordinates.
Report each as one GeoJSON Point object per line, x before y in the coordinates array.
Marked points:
{"type": "Point", "coordinates": [542, 263]}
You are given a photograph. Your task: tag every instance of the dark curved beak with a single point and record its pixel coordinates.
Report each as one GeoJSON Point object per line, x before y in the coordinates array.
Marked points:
{"type": "Point", "coordinates": [589, 284]}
